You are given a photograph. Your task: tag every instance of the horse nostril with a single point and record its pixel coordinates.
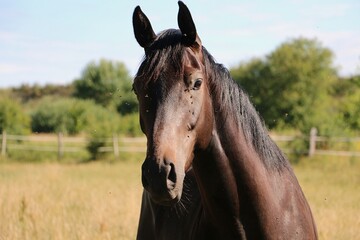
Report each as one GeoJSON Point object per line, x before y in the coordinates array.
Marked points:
{"type": "Point", "coordinates": [158, 178]}
{"type": "Point", "coordinates": [172, 174]}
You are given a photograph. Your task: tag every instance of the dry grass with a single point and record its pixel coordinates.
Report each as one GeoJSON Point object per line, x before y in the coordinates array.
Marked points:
{"type": "Point", "coordinates": [101, 201]}
{"type": "Point", "coordinates": [89, 201]}
{"type": "Point", "coordinates": [332, 187]}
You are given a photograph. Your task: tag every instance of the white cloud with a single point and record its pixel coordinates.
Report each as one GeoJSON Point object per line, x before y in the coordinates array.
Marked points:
{"type": "Point", "coordinates": [248, 11]}
{"type": "Point", "coordinates": [28, 59]}
{"type": "Point", "coordinates": [12, 68]}
{"type": "Point", "coordinates": [7, 36]}
{"type": "Point", "coordinates": [326, 11]}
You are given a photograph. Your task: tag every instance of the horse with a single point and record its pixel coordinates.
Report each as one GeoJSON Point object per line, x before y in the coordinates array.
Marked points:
{"type": "Point", "coordinates": [211, 170]}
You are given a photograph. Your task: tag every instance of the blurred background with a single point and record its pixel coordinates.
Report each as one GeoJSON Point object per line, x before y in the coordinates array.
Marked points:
{"type": "Point", "coordinates": [51, 42]}
{"type": "Point", "coordinates": [63, 62]}
{"type": "Point", "coordinates": [66, 71]}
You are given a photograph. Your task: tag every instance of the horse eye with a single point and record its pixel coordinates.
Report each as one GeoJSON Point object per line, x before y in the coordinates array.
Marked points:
{"type": "Point", "coordinates": [197, 84]}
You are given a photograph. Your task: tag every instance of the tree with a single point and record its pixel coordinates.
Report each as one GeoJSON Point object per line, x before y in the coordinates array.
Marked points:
{"type": "Point", "coordinates": [291, 86]}
{"type": "Point", "coordinates": [254, 76]}
{"type": "Point", "coordinates": [346, 92]}
{"type": "Point", "coordinates": [104, 82]}
{"type": "Point", "coordinates": [73, 116]}
{"type": "Point", "coordinates": [27, 92]}
{"type": "Point", "coordinates": [128, 104]}
{"type": "Point", "coordinates": [13, 118]}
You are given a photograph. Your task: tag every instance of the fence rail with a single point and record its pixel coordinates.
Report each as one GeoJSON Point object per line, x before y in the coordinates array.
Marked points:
{"type": "Point", "coordinates": [59, 144]}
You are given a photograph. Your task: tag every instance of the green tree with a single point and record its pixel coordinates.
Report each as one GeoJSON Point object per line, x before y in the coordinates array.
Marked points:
{"type": "Point", "coordinates": [255, 77]}
{"type": "Point", "coordinates": [346, 92]}
{"type": "Point", "coordinates": [27, 92]}
{"type": "Point", "coordinates": [73, 116]}
{"type": "Point", "coordinates": [128, 103]}
{"type": "Point", "coordinates": [104, 82]}
{"type": "Point", "coordinates": [291, 86]}
{"type": "Point", "coordinates": [13, 118]}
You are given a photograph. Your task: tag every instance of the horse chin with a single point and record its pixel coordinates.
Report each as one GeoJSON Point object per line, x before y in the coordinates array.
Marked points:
{"type": "Point", "coordinates": [171, 202]}
{"type": "Point", "coordinates": [171, 199]}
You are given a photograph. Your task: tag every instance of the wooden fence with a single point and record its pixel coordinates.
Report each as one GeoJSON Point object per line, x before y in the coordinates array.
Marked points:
{"type": "Point", "coordinates": [314, 140]}
{"type": "Point", "coordinates": [60, 144]}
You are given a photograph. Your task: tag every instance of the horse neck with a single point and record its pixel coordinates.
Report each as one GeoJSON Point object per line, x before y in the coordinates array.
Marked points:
{"type": "Point", "coordinates": [232, 179]}
{"type": "Point", "coordinates": [245, 182]}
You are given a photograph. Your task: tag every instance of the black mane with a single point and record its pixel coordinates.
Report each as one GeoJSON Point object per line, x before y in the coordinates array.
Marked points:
{"type": "Point", "coordinates": [232, 99]}
{"type": "Point", "coordinates": [166, 49]}
{"type": "Point", "coordinates": [234, 102]}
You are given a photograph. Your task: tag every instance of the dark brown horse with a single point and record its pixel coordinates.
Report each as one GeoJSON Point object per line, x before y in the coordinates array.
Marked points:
{"type": "Point", "coordinates": [211, 171]}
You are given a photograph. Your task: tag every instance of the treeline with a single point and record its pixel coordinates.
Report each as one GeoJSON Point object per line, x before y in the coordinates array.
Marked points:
{"type": "Point", "coordinates": [98, 104]}
{"type": "Point", "coordinates": [294, 88]}
{"type": "Point", "coordinates": [298, 87]}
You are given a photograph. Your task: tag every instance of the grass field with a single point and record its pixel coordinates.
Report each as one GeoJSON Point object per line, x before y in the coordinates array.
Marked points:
{"type": "Point", "coordinates": [102, 200]}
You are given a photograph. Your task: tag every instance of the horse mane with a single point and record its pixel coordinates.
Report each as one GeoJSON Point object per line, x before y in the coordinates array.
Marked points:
{"type": "Point", "coordinates": [233, 101]}
{"type": "Point", "coordinates": [165, 50]}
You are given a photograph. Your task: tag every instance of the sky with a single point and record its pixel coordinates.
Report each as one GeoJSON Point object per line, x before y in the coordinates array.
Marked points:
{"type": "Point", "coordinates": [51, 42]}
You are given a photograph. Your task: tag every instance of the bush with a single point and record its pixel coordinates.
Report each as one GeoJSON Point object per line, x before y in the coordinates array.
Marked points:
{"type": "Point", "coordinates": [128, 104]}
{"type": "Point", "coordinates": [13, 118]}
{"type": "Point", "coordinates": [60, 115]}
{"type": "Point", "coordinates": [130, 125]}
{"type": "Point", "coordinates": [72, 116]}
{"type": "Point", "coordinates": [102, 125]}
{"type": "Point", "coordinates": [93, 148]}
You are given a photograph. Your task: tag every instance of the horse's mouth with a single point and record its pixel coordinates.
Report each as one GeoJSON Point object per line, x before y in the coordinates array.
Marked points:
{"type": "Point", "coordinates": [170, 203]}
{"type": "Point", "coordinates": [169, 199]}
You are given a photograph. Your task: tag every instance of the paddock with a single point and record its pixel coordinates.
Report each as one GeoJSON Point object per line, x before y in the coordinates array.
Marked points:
{"type": "Point", "coordinates": [102, 200]}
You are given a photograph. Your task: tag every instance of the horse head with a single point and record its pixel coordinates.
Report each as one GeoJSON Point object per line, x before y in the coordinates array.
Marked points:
{"type": "Point", "coordinates": [174, 105]}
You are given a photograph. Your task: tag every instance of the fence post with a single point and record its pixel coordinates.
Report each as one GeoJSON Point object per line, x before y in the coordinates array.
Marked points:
{"type": "Point", "coordinates": [312, 141]}
{"type": "Point", "coordinates": [60, 146]}
{"type": "Point", "coordinates": [3, 144]}
{"type": "Point", "coordinates": [116, 145]}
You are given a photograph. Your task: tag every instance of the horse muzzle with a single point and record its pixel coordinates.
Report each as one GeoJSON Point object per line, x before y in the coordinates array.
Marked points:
{"type": "Point", "coordinates": [161, 180]}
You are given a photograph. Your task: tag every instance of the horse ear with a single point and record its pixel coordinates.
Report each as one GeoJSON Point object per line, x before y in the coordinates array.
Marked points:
{"type": "Point", "coordinates": [143, 31]}
{"type": "Point", "coordinates": [187, 27]}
